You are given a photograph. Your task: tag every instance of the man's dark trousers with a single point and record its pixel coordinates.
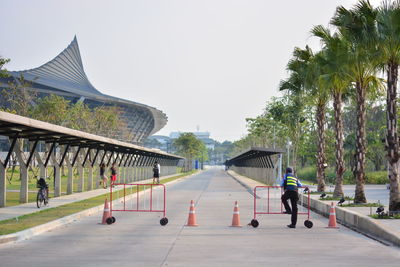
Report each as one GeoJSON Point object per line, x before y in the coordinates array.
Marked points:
{"type": "Point", "coordinates": [294, 197]}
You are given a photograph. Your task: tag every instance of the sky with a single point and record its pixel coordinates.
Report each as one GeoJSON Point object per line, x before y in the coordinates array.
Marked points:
{"type": "Point", "coordinates": [207, 64]}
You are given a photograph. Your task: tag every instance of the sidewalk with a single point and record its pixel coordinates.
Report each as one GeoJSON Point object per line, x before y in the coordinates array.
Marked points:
{"type": "Point", "coordinates": [27, 208]}
{"type": "Point", "coordinates": [385, 230]}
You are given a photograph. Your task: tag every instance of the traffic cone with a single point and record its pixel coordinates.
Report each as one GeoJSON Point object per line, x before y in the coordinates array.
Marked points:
{"type": "Point", "coordinates": [236, 217]}
{"type": "Point", "coordinates": [332, 217]}
{"type": "Point", "coordinates": [192, 215]}
{"type": "Point", "coordinates": [106, 213]}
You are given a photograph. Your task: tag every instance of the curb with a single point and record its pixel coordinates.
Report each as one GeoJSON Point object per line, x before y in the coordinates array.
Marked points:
{"type": "Point", "coordinates": [37, 230]}
{"type": "Point", "coordinates": [248, 188]}
{"type": "Point", "coordinates": [356, 221]}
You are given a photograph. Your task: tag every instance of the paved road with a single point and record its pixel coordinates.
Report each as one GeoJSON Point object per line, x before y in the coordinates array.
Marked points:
{"type": "Point", "coordinates": [139, 240]}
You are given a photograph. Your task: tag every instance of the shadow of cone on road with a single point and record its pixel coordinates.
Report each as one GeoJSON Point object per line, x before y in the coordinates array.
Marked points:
{"type": "Point", "coordinates": [192, 215]}
{"type": "Point", "coordinates": [332, 218]}
{"type": "Point", "coordinates": [236, 216]}
{"type": "Point", "coordinates": [106, 212]}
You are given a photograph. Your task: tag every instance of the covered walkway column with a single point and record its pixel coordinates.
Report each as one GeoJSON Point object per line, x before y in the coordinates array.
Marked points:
{"type": "Point", "coordinates": [23, 169]}
{"type": "Point", "coordinates": [3, 185]}
{"type": "Point", "coordinates": [81, 171]}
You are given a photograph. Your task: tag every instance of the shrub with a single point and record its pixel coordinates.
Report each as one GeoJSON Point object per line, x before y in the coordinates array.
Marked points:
{"type": "Point", "coordinates": [309, 174]}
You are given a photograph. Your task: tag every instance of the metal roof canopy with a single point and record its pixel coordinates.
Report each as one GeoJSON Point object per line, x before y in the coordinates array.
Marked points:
{"type": "Point", "coordinates": [253, 153]}
{"type": "Point", "coordinates": [15, 126]}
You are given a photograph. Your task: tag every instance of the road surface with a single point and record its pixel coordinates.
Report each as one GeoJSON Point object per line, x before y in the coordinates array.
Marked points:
{"type": "Point", "coordinates": [139, 240]}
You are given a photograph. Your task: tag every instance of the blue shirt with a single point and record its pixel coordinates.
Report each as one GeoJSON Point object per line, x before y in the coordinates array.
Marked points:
{"type": "Point", "coordinates": [290, 187]}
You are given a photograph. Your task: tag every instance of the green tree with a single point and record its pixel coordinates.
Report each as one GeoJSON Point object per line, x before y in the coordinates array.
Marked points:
{"type": "Point", "coordinates": [357, 26]}
{"type": "Point", "coordinates": [107, 122]}
{"type": "Point", "coordinates": [305, 68]}
{"type": "Point", "coordinates": [18, 97]}
{"type": "Point", "coordinates": [52, 109]}
{"type": "Point", "coordinates": [188, 146]}
{"type": "Point", "coordinates": [336, 80]}
{"type": "Point", "coordinates": [388, 32]}
{"type": "Point", "coordinates": [80, 117]}
{"type": "Point", "coordinates": [3, 72]}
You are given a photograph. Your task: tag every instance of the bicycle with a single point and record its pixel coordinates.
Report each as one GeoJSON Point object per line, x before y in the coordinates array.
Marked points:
{"type": "Point", "coordinates": [42, 197]}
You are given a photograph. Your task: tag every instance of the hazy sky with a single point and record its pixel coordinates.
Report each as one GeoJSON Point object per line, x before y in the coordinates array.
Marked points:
{"type": "Point", "coordinates": [204, 63]}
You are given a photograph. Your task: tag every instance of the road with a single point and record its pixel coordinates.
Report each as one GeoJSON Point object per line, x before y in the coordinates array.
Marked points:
{"type": "Point", "coordinates": [139, 240]}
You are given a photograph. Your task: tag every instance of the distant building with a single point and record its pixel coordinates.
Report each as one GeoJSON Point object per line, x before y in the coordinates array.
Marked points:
{"type": "Point", "coordinates": [64, 76]}
{"type": "Point", "coordinates": [159, 142]}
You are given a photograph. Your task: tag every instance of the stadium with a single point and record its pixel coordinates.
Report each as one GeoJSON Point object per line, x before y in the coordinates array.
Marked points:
{"type": "Point", "coordinates": [65, 76]}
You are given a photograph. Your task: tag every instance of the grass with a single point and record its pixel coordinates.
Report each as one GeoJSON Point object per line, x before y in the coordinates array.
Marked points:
{"type": "Point", "coordinates": [41, 217]}
{"type": "Point", "coordinates": [13, 198]}
{"type": "Point", "coordinates": [376, 216]}
{"type": "Point", "coordinates": [336, 198]}
{"type": "Point", "coordinates": [362, 205]}
{"type": "Point", "coordinates": [319, 193]}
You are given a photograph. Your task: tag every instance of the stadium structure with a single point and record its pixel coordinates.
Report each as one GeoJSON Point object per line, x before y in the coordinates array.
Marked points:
{"type": "Point", "coordinates": [65, 76]}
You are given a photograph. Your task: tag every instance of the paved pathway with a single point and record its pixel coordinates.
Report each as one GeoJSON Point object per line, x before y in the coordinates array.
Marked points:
{"type": "Point", "coordinates": [138, 239]}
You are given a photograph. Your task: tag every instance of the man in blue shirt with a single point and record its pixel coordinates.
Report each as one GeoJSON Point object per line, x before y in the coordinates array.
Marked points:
{"type": "Point", "coordinates": [290, 184]}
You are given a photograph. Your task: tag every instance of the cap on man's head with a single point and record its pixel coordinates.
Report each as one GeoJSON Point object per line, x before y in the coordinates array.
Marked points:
{"type": "Point", "coordinates": [289, 170]}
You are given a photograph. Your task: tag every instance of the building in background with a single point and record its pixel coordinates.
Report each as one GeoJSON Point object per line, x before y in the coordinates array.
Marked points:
{"type": "Point", "coordinates": [65, 76]}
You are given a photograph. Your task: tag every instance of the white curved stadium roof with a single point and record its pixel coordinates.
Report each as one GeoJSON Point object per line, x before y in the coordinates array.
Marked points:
{"type": "Point", "coordinates": [65, 72]}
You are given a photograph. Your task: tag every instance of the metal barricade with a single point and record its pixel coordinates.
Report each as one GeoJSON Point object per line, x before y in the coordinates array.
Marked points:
{"type": "Point", "coordinates": [138, 198]}
{"type": "Point", "coordinates": [267, 200]}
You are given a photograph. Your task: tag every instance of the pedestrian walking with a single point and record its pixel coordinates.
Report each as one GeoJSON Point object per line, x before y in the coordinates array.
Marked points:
{"type": "Point", "coordinates": [113, 173]}
{"type": "Point", "coordinates": [156, 172]}
{"type": "Point", "coordinates": [290, 185]}
{"type": "Point", "coordinates": [103, 177]}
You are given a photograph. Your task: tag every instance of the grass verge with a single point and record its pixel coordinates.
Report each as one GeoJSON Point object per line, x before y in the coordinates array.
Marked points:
{"type": "Point", "coordinates": [336, 198]}
{"type": "Point", "coordinates": [362, 205]}
{"type": "Point", "coordinates": [376, 216]}
{"type": "Point", "coordinates": [44, 216]}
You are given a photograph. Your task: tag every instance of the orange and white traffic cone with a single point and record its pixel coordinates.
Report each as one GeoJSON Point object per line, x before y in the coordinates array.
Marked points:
{"type": "Point", "coordinates": [332, 217]}
{"type": "Point", "coordinates": [106, 212]}
{"type": "Point", "coordinates": [236, 217]}
{"type": "Point", "coordinates": [192, 215]}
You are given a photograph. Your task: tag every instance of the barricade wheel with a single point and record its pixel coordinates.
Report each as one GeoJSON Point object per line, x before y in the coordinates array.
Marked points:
{"type": "Point", "coordinates": [308, 224]}
{"type": "Point", "coordinates": [254, 223]}
{"type": "Point", "coordinates": [164, 221]}
{"type": "Point", "coordinates": [113, 219]}
{"type": "Point", "coordinates": [109, 220]}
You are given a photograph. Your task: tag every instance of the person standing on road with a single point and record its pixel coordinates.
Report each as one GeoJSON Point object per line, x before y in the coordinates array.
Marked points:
{"type": "Point", "coordinates": [103, 176]}
{"type": "Point", "coordinates": [113, 173]}
{"type": "Point", "coordinates": [290, 185]}
{"type": "Point", "coordinates": [156, 172]}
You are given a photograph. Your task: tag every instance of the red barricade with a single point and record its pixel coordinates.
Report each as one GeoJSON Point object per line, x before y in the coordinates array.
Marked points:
{"type": "Point", "coordinates": [139, 198]}
{"type": "Point", "coordinates": [267, 200]}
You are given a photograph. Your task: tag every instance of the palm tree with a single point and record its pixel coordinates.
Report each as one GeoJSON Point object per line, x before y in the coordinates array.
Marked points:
{"type": "Point", "coordinates": [337, 81]}
{"type": "Point", "coordinates": [358, 27]}
{"type": "Point", "coordinates": [388, 29]}
{"type": "Point", "coordinates": [318, 96]}
{"type": "Point", "coordinates": [305, 68]}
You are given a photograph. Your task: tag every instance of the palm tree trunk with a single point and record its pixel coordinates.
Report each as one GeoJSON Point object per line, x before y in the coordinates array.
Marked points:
{"type": "Point", "coordinates": [321, 159]}
{"type": "Point", "coordinates": [359, 169]}
{"type": "Point", "coordinates": [339, 151]}
{"type": "Point", "coordinates": [392, 140]}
